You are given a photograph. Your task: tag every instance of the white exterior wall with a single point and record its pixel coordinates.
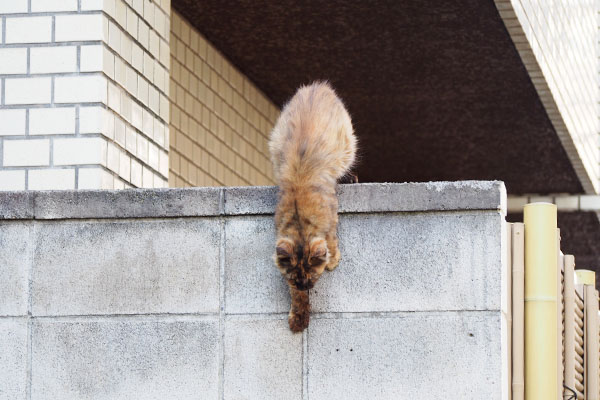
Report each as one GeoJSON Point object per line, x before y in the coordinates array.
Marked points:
{"type": "Point", "coordinates": [557, 41]}
{"type": "Point", "coordinates": [84, 94]}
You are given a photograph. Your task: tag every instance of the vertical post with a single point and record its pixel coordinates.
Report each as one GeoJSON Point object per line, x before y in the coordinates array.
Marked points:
{"type": "Point", "coordinates": [585, 277]}
{"type": "Point", "coordinates": [591, 349]}
{"type": "Point", "coordinates": [518, 311]}
{"type": "Point", "coordinates": [560, 314]}
{"type": "Point", "coordinates": [569, 312]}
{"type": "Point", "coordinates": [507, 314]}
{"type": "Point", "coordinates": [541, 319]}
{"type": "Point", "coordinates": [579, 341]}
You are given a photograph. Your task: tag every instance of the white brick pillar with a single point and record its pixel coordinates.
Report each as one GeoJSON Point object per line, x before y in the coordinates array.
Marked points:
{"type": "Point", "coordinates": [84, 94]}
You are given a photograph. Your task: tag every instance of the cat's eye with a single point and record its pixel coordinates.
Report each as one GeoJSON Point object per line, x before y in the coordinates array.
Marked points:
{"type": "Point", "coordinates": [283, 260]}
{"type": "Point", "coordinates": [314, 261]}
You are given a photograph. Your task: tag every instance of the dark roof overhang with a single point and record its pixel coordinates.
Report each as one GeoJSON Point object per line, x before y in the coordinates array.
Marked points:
{"type": "Point", "coordinates": [436, 89]}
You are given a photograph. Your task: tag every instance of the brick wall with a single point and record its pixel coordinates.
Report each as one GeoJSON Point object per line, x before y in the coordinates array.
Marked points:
{"type": "Point", "coordinates": [84, 94]}
{"type": "Point", "coordinates": [220, 122]}
{"type": "Point", "coordinates": [557, 41]}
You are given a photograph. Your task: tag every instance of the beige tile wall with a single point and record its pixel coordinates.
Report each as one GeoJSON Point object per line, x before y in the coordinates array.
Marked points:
{"type": "Point", "coordinates": [557, 41]}
{"type": "Point", "coordinates": [220, 121]}
{"type": "Point", "coordinates": [136, 62]}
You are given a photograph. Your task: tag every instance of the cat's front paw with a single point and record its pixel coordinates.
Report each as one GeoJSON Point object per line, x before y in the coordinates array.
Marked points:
{"type": "Point", "coordinates": [332, 265]}
{"type": "Point", "coordinates": [333, 261]}
{"type": "Point", "coordinates": [298, 322]}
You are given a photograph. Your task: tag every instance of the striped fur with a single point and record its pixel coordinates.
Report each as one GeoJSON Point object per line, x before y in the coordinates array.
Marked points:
{"type": "Point", "coordinates": [312, 145]}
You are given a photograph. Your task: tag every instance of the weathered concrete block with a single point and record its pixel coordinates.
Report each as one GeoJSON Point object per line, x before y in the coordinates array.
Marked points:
{"type": "Point", "coordinates": [126, 267]}
{"type": "Point", "coordinates": [383, 197]}
{"type": "Point", "coordinates": [252, 282]}
{"type": "Point", "coordinates": [413, 310]}
{"type": "Point", "coordinates": [16, 205]}
{"type": "Point", "coordinates": [15, 261]}
{"type": "Point", "coordinates": [250, 200]}
{"type": "Point", "coordinates": [263, 360]}
{"type": "Point", "coordinates": [452, 355]}
{"type": "Point", "coordinates": [125, 358]}
{"type": "Point", "coordinates": [131, 203]}
{"type": "Point", "coordinates": [389, 262]}
{"type": "Point", "coordinates": [414, 262]}
{"type": "Point", "coordinates": [13, 358]}
{"type": "Point", "coordinates": [189, 202]}
{"type": "Point", "coordinates": [426, 196]}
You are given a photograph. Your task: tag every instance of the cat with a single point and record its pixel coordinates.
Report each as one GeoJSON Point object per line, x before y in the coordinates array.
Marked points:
{"type": "Point", "coordinates": [312, 145]}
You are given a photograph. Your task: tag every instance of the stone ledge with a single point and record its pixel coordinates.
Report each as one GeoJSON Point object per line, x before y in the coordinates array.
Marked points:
{"type": "Point", "coordinates": [249, 200]}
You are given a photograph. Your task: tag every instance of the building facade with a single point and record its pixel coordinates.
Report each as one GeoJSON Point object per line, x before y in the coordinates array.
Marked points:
{"type": "Point", "coordinates": [220, 121]}
{"type": "Point", "coordinates": [120, 94]}
{"type": "Point", "coordinates": [114, 94]}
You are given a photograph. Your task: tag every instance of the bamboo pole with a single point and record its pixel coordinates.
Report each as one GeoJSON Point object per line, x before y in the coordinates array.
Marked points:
{"type": "Point", "coordinates": [518, 311]}
{"type": "Point", "coordinates": [569, 296]}
{"type": "Point", "coordinates": [541, 319]}
{"type": "Point", "coordinates": [591, 342]}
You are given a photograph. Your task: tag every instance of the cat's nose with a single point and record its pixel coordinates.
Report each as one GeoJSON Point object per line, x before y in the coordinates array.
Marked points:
{"type": "Point", "coordinates": [303, 284]}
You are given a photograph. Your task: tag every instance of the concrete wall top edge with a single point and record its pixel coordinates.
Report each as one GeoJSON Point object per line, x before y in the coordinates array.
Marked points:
{"type": "Point", "coordinates": [247, 200]}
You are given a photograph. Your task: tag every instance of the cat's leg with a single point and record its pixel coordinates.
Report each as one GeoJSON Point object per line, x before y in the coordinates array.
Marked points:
{"type": "Point", "coordinates": [300, 311]}
{"type": "Point", "coordinates": [331, 238]}
{"type": "Point", "coordinates": [334, 251]}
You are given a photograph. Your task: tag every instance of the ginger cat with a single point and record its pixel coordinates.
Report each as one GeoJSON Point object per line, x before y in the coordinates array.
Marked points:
{"type": "Point", "coordinates": [312, 145]}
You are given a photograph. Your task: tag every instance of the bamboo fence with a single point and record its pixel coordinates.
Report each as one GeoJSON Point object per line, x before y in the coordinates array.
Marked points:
{"type": "Point", "coordinates": [554, 323]}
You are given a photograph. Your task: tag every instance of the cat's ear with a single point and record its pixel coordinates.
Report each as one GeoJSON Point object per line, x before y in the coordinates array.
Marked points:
{"type": "Point", "coordinates": [318, 251]}
{"type": "Point", "coordinates": [284, 248]}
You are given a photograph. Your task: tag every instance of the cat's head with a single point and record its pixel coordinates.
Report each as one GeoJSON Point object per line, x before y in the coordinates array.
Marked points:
{"type": "Point", "coordinates": [301, 263]}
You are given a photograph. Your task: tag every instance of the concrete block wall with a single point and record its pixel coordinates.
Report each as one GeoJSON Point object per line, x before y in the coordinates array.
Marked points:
{"type": "Point", "coordinates": [172, 294]}
{"type": "Point", "coordinates": [220, 121]}
{"type": "Point", "coordinates": [84, 94]}
{"type": "Point", "coordinates": [557, 41]}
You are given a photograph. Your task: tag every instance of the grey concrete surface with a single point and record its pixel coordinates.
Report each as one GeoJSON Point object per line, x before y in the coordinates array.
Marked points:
{"type": "Point", "coordinates": [252, 282]}
{"type": "Point", "coordinates": [430, 196]}
{"type": "Point", "coordinates": [131, 203]}
{"type": "Point", "coordinates": [13, 358]}
{"type": "Point", "coordinates": [189, 202]}
{"type": "Point", "coordinates": [389, 263]}
{"type": "Point", "coordinates": [250, 200]}
{"type": "Point", "coordinates": [451, 355]}
{"type": "Point", "coordinates": [125, 358]}
{"type": "Point", "coordinates": [263, 360]}
{"type": "Point", "coordinates": [126, 267]}
{"type": "Point", "coordinates": [166, 294]}
{"type": "Point", "coordinates": [15, 263]}
{"type": "Point", "coordinates": [414, 262]}
{"type": "Point", "coordinates": [16, 205]}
